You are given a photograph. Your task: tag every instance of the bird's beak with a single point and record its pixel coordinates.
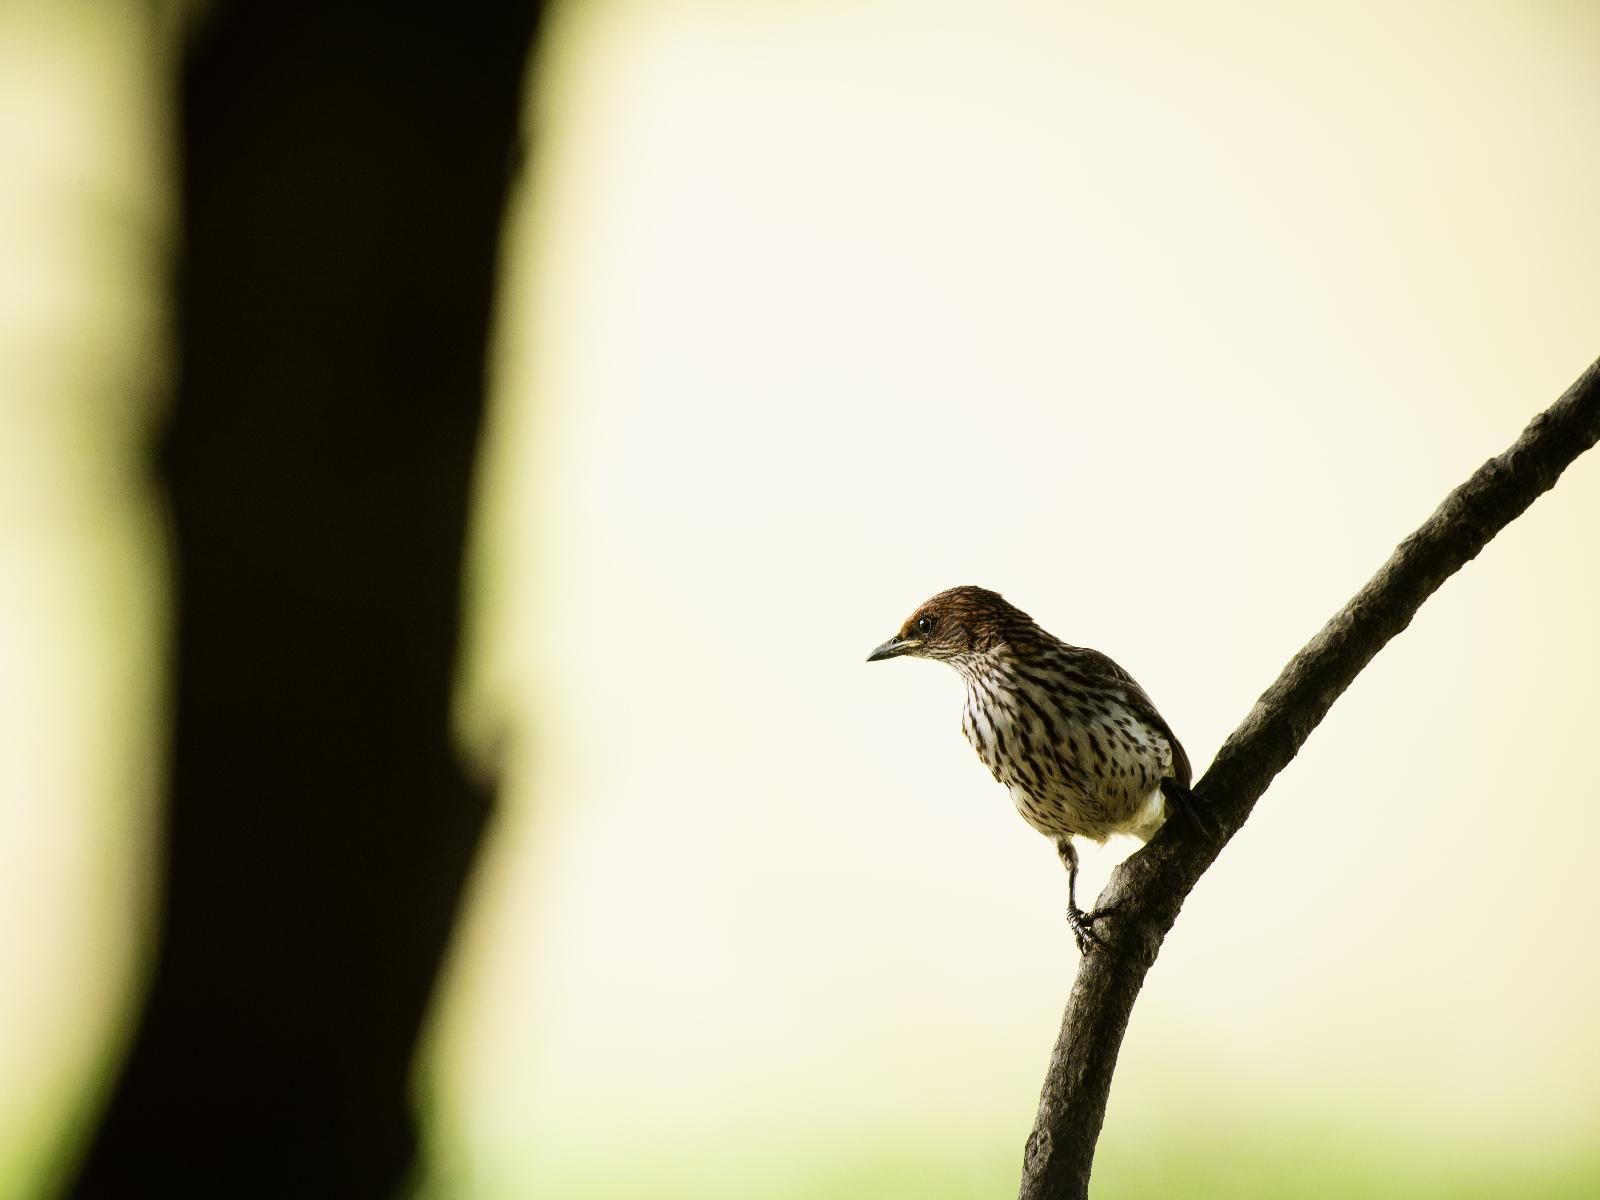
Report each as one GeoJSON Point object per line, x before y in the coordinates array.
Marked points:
{"type": "Point", "coordinates": [894, 648]}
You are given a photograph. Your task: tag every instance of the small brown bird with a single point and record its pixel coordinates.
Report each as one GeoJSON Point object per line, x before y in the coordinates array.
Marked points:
{"type": "Point", "coordinates": [1077, 742]}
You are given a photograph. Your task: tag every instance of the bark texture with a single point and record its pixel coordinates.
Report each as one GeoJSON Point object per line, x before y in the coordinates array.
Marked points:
{"type": "Point", "coordinates": [1146, 892]}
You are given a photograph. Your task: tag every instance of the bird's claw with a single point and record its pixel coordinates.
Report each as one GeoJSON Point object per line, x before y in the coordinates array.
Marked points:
{"type": "Point", "coordinates": [1082, 925]}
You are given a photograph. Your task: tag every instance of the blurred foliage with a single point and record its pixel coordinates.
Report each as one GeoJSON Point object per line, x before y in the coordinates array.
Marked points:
{"type": "Point", "coordinates": [1265, 1164]}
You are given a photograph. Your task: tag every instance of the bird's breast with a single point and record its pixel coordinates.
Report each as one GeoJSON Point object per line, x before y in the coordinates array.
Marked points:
{"type": "Point", "coordinates": [1016, 749]}
{"type": "Point", "coordinates": [1088, 770]}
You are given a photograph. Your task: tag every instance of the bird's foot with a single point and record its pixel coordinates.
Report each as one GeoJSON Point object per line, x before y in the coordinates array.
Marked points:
{"type": "Point", "coordinates": [1082, 925]}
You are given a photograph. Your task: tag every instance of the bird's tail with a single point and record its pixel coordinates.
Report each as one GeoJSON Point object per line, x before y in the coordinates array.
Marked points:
{"type": "Point", "coordinates": [1178, 798]}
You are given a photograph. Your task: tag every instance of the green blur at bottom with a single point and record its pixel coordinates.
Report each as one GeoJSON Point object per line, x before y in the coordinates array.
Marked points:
{"type": "Point", "coordinates": [1269, 1166]}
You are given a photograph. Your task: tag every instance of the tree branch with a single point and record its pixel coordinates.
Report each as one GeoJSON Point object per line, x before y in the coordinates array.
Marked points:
{"type": "Point", "coordinates": [1146, 892]}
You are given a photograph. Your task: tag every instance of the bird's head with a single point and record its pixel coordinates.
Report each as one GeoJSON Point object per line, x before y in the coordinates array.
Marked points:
{"type": "Point", "coordinates": [956, 625]}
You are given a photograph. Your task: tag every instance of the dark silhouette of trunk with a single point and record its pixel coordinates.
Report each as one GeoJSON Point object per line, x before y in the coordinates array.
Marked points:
{"type": "Point", "coordinates": [345, 169]}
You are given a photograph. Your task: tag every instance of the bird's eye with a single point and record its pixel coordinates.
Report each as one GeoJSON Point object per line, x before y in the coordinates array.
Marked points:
{"type": "Point", "coordinates": [924, 625]}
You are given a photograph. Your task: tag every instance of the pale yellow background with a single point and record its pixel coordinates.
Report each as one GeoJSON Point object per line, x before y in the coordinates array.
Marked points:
{"type": "Point", "coordinates": [1166, 320]}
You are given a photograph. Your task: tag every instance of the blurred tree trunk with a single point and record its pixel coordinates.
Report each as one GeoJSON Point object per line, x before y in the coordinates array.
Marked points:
{"type": "Point", "coordinates": [345, 169]}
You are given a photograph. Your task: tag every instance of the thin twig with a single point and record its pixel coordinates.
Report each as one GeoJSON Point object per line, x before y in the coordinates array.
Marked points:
{"type": "Point", "coordinates": [1146, 892]}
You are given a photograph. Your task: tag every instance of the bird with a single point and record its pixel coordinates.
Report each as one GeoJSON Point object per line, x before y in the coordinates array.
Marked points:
{"type": "Point", "coordinates": [1077, 742]}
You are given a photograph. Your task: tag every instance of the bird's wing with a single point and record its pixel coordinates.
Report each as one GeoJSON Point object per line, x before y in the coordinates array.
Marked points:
{"type": "Point", "coordinates": [1096, 664]}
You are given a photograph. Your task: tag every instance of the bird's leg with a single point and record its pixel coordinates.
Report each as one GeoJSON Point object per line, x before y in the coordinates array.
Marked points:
{"type": "Point", "coordinates": [1181, 799]}
{"type": "Point", "coordinates": [1082, 923]}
